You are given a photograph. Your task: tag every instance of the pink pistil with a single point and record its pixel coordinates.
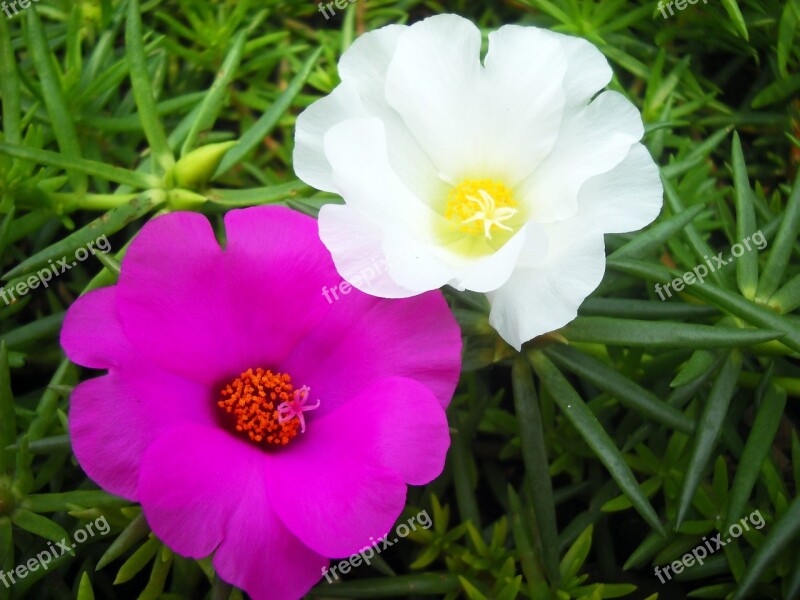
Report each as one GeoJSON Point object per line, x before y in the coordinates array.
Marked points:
{"type": "Point", "coordinates": [296, 408]}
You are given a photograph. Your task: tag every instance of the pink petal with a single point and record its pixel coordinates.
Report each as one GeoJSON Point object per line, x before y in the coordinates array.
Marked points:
{"type": "Point", "coordinates": [343, 482]}
{"type": "Point", "coordinates": [276, 267]}
{"type": "Point", "coordinates": [209, 314]}
{"type": "Point", "coordinates": [202, 490]}
{"type": "Point", "coordinates": [92, 335]}
{"type": "Point", "coordinates": [108, 454]}
{"type": "Point", "coordinates": [192, 480]}
{"type": "Point", "coordinates": [402, 424]}
{"type": "Point", "coordinates": [365, 339]}
{"type": "Point", "coordinates": [115, 417]}
{"type": "Point", "coordinates": [175, 302]}
{"type": "Point", "coordinates": [259, 555]}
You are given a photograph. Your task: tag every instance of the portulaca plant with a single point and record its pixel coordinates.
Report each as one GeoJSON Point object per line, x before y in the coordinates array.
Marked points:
{"type": "Point", "coordinates": [502, 173]}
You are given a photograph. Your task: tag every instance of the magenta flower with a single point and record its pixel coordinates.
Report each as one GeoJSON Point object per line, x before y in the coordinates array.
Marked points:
{"type": "Point", "coordinates": [251, 417]}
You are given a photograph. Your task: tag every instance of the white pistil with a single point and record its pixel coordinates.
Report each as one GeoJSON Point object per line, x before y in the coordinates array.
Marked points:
{"type": "Point", "coordinates": [489, 213]}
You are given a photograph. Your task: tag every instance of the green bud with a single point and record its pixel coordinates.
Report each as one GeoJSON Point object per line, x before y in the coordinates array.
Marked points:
{"type": "Point", "coordinates": [196, 168]}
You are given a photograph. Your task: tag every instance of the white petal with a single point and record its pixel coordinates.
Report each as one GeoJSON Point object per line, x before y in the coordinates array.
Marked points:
{"type": "Point", "coordinates": [472, 121]}
{"type": "Point", "coordinates": [624, 199]}
{"type": "Point", "coordinates": [488, 273]}
{"type": "Point", "coordinates": [524, 72]}
{"type": "Point", "coordinates": [309, 160]}
{"type": "Point", "coordinates": [588, 70]}
{"type": "Point", "coordinates": [436, 266]}
{"type": "Point", "coordinates": [416, 264]}
{"type": "Point", "coordinates": [430, 80]}
{"type": "Point", "coordinates": [357, 152]}
{"type": "Point", "coordinates": [364, 66]}
{"type": "Point", "coordinates": [593, 140]}
{"type": "Point", "coordinates": [363, 69]}
{"type": "Point", "coordinates": [356, 244]}
{"type": "Point", "coordinates": [542, 298]}
{"type": "Point", "coordinates": [365, 62]}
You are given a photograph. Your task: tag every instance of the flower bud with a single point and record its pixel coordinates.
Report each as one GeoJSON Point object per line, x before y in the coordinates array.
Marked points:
{"type": "Point", "coordinates": [196, 168]}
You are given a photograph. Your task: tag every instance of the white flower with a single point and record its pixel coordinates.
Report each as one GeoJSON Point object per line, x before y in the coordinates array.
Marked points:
{"type": "Point", "coordinates": [502, 174]}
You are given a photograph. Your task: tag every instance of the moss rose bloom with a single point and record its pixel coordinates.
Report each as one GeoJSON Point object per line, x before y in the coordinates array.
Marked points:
{"type": "Point", "coordinates": [252, 418]}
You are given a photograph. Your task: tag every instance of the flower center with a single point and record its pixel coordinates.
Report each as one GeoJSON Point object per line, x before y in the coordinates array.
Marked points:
{"type": "Point", "coordinates": [480, 206]}
{"type": "Point", "coordinates": [265, 407]}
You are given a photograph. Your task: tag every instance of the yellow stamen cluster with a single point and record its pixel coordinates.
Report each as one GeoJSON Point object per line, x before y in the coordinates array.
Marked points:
{"type": "Point", "coordinates": [478, 206]}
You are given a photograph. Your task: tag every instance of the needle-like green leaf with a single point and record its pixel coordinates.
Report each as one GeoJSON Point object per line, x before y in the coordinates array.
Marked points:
{"type": "Point", "coordinates": [781, 533]}
{"type": "Point", "coordinates": [657, 235]}
{"type": "Point", "coordinates": [709, 428]}
{"type": "Point", "coordinates": [698, 245]}
{"type": "Point", "coordinates": [82, 165]}
{"type": "Point", "coordinates": [781, 250]}
{"type": "Point", "coordinates": [8, 421]}
{"type": "Point", "coordinates": [39, 525]}
{"type": "Point", "coordinates": [732, 8]}
{"type": "Point", "coordinates": [260, 129]}
{"type": "Point", "coordinates": [534, 456]}
{"type": "Point", "coordinates": [756, 450]}
{"type": "Point", "coordinates": [662, 334]}
{"type": "Point", "coordinates": [9, 87]}
{"type": "Point", "coordinates": [143, 90]}
{"type": "Point", "coordinates": [618, 386]}
{"type": "Point", "coordinates": [136, 531]}
{"type": "Point", "coordinates": [747, 263]}
{"type": "Point", "coordinates": [212, 103]}
{"type": "Point", "coordinates": [54, 97]}
{"type": "Point", "coordinates": [584, 420]}
{"type": "Point", "coordinates": [85, 590]}
{"type": "Point", "coordinates": [64, 250]}
{"type": "Point", "coordinates": [730, 302]}
{"type": "Point", "coordinates": [460, 455]}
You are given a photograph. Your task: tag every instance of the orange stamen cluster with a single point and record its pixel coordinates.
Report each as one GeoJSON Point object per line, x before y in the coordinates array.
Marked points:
{"type": "Point", "coordinates": [252, 401]}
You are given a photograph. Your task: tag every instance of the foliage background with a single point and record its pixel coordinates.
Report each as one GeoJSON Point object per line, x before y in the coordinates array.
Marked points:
{"type": "Point", "coordinates": [603, 449]}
